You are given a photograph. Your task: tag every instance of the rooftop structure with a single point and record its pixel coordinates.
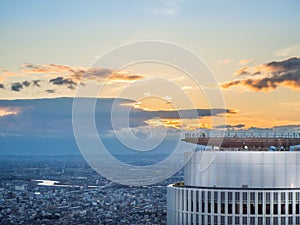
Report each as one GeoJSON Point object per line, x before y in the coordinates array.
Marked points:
{"type": "Point", "coordinates": [250, 140]}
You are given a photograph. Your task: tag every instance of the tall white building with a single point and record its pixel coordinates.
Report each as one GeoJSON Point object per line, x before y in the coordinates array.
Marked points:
{"type": "Point", "coordinates": [237, 187]}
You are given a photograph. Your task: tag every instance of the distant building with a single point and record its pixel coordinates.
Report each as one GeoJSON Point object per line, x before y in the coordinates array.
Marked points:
{"type": "Point", "coordinates": [20, 187]}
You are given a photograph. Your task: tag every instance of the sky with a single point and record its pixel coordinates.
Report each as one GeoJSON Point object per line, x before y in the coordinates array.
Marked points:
{"type": "Point", "coordinates": [50, 49]}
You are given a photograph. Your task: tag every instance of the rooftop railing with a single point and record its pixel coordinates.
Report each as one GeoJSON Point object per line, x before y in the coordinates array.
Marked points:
{"type": "Point", "coordinates": [239, 134]}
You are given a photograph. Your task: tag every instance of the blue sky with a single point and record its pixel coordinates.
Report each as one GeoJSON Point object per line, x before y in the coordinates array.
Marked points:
{"type": "Point", "coordinates": [74, 32]}
{"type": "Point", "coordinates": [53, 41]}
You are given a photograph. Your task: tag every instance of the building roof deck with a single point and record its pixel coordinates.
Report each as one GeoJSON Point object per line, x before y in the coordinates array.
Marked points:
{"type": "Point", "coordinates": [242, 140]}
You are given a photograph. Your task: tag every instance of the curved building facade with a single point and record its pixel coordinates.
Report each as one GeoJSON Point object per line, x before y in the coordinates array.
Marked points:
{"type": "Point", "coordinates": [237, 187]}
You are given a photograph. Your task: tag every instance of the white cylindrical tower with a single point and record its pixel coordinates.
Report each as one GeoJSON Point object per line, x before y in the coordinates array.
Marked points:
{"type": "Point", "coordinates": [237, 187]}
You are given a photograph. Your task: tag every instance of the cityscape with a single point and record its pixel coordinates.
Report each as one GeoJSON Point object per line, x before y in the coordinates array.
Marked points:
{"type": "Point", "coordinates": [79, 195]}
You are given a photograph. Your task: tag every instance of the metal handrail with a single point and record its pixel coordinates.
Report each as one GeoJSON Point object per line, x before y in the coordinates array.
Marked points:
{"type": "Point", "coordinates": [239, 134]}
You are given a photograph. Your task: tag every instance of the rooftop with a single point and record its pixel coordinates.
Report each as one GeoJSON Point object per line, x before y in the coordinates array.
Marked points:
{"type": "Point", "coordinates": [258, 141]}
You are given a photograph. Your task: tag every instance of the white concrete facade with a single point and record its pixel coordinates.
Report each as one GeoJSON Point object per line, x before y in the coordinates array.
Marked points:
{"type": "Point", "coordinates": [237, 188]}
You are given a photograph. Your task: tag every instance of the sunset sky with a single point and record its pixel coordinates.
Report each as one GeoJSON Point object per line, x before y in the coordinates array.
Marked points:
{"type": "Point", "coordinates": [48, 49]}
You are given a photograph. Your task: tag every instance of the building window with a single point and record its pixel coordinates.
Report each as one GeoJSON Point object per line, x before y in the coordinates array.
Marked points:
{"type": "Point", "coordinates": [216, 196]}
{"type": "Point", "coordinates": [237, 208]}
{"type": "Point", "coordinates": [187, 204]}
{"type": "Point", "coordinates": [197, 201]}
{"type": "Point", "coordinates": [290, 196]}
{"type": "Point", "coordinates": [290, 208]}
{"type": "Point", "coordinates": [215, 220]}
{"type": "Point", "coordinates": [237, 220]}
{"type": "Point", "coordinates": [182, 196]}
{"type": "Point", "coordinates": [252, 220]}
{"type": "Point", "coordinates": [187, 200]}
{"type": "Point", "coordinates": [260, 197]}
{"type": "Point", "coordinates": [192, 200]}
{"type": "Point", "coordinates": [259, 220]}
{"type": "Point", "coordinates": [260, 209]}
{"type": "Point", "coordinates": [216, 207]}
{"type": "Point", "coordinates": [216, 202]}
{"type": "Point", "coordinates": [203, 196]}
{"type": "Point", "coordinates": [208, 220]}
{"type": "Point", "coordinates": [187, 216]}
{"type": "Point", "coordinates": [229, 196]}
{"type": "Point", "coordinates": [244, 208]}
{"type": "Point", "coordinates": [282, 197]}
{"type": "Point", "coordinates": [222, 208]}
{"type": "Point", "coordinates": [268, 209]}
{"type": "Point", "coordinates": [282, 220]}
{"type": "Point", "coordinates": [244, 220]}
{"type": "Point", "coordinates": [275, 221]}
{"type": "Point", "coordinates": [244, 196]}
{"type": "Point", "coordinates": [252, 197]}
{"type": "Point", "coordinates": [282, 208]}
{"type": "Point", "coordinates": [222, 196]}
{"type": "Point", "coordinates": [275, 209]}
{"type": "Point", "coordinates": [230, 208]}
{"type": "Point", "coordinates": [209, 202]}
{"type": "Point", "coordinates": [267, 197]}
{"type": "Point", "coordinates": [203, 201]}
{"type": "Point", "coordinates": [222, 220]}
{"type": "Point", "coordinates": [275, 197]}
{"type": "Point", "coordinates": [252, 208]}
{"type": "Point", "coordinates": [237, 196]}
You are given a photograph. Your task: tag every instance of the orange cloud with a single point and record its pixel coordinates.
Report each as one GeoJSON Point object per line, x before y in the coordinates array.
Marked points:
{"type": "Point", "coordinates": [125, 77]}
{"type": "Point", "coordinates": [4, 73]}
{"type": "Point", "coordinates": [81, 73]}
{"type": "Point", "coordinates": [46, 68]}
{"type": "Point", "coordinates": [186, 124]}
{"type": "Point", "coordinates": [277, 73]}
{"type": "Point", "coordinates": [245, 61]}
{"type": "Point", "coordinates": [63, 75]}
{"type": "Point", "coordinates": [242, 71]}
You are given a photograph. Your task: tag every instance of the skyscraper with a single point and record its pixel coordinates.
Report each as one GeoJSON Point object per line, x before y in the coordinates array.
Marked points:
{"type": "Point", "coordinates": [238, 186]}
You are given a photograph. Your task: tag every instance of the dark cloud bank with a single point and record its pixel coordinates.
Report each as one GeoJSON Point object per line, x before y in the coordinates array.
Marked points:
{"type": "Point", "coordinates": [44, 126]}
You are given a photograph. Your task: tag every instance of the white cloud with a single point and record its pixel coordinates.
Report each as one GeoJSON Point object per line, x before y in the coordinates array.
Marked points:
{"type": "Point", "coordinates": [293, 50]}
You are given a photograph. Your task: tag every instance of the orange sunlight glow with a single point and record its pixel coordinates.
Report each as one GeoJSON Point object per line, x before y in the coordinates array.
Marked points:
{"type": "Point", "coordinates": [6, 111]}
{"type": "Point", "coordinates": [153, 104]}
{"type": "Point", "coordinates": [186, 124]}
